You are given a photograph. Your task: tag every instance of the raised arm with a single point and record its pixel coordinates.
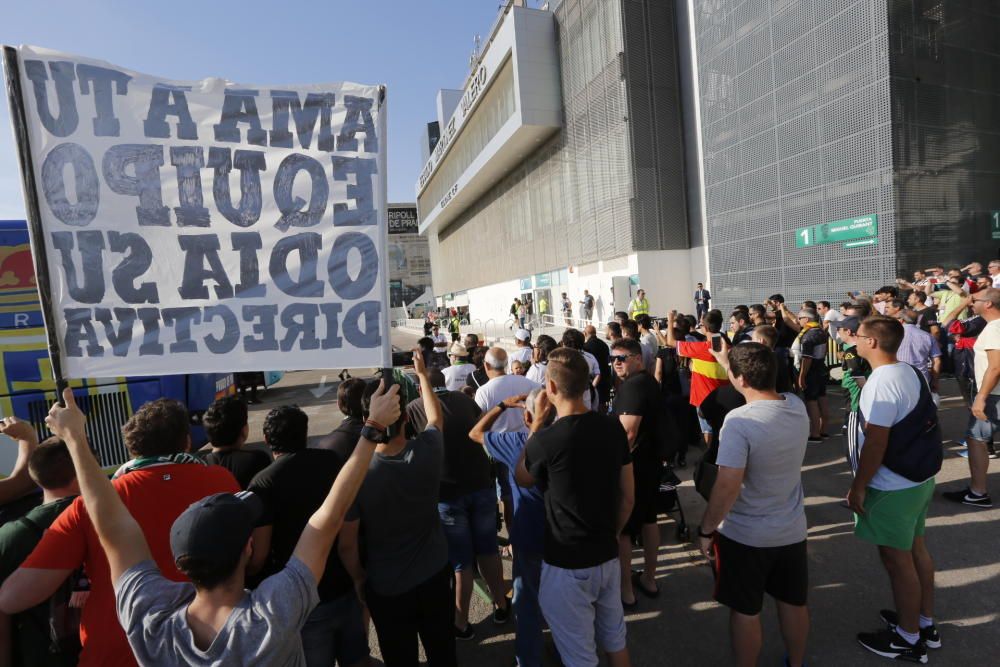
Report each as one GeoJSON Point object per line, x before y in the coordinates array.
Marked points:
{"type": "Point", "coordinates": [670, 340]}
{"type": "Point", "coordinates": [432, 406]}
{"type": "Point", "coordinates": [787, 318]}
{"type": "Point", "coordinates": [120, 535]}
{"type": "Point", "coordinates": [19, 482]}
{"type": "Point", "coordinates": [965, 302]}
{"type": "Point", "coordinates": [321, 530]}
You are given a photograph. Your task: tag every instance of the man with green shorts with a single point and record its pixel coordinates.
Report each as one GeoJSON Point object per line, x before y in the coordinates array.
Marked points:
{"type": "Point", "coordinates": [892, 489]}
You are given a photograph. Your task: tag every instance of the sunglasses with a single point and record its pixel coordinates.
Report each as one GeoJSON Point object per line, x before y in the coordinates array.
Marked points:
{"type": "Point", "coordinates": [620, 358]}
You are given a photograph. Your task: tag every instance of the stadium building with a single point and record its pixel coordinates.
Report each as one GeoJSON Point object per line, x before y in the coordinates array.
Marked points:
{"type": "Point", "coordinates": [802, 146]}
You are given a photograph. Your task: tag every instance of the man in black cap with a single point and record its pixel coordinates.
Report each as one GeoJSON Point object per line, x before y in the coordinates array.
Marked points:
{"type": "Point", "coordinates": [214, 620]}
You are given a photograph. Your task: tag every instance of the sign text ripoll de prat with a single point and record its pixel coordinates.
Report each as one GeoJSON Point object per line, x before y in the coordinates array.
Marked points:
{"type": "Point", "coordinates": [238, 227]}
{"type": "Point", "coordinates": [851, 229]}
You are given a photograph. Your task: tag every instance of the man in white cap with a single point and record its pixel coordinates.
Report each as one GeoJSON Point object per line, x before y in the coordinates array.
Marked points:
{"type": "Point", "coordinates": [522, 353]}
{"type": "Point", "coordinates": [460, 368]}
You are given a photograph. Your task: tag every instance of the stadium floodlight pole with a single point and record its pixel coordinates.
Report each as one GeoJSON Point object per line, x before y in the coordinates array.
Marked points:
{"type": "Point", "coordinates": [19, 119]}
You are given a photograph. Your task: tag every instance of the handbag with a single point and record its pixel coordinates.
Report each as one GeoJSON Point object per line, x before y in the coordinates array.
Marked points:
{"type": "Point", "coordinates": [704, 476]}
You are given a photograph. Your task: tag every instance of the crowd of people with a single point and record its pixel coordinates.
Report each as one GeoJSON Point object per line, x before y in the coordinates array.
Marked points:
{"type": "Point", "coordinates": [235, 555]}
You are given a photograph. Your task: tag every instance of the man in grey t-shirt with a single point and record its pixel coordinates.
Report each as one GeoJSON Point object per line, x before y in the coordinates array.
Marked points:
{"type": "Point", "coordinates": [754, 529]}
{"type": "Point", "coordinates": [171, 623]}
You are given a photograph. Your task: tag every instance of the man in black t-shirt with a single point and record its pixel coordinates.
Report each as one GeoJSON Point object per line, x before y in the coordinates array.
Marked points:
{"type": "Point", "coordinates": [467, 502]}
{"type": "Point", "coordinates": [225, 423]}
{"type": "Point", "coordinates": [638, 407]}
{"type": "Point", "coordinates": [927, 316]}
{"type": "Point", "coordinates": [292, 488]}
{"type": "Point", "coordinates": [583, 466]}
{"type": "Point", "coordinates": [345, 437]}
{"type": "Point", "coordinates": [740, 327]}
{"type": "Point", "coordinates": [599, 349]}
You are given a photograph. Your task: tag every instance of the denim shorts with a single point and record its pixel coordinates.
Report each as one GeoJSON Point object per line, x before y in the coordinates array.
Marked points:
{"type": "Point", "coordinates": [470, 526]}
{"type": "Point", "coordinates": [982, 430]}
{"type": "Point", "coordinates": [706, 428]}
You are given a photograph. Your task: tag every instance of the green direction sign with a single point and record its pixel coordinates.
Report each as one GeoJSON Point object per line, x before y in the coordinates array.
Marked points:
{"type": "Point", "coordinates": [543, 280]}
{"type": "Point", "coordinates": [995, 225]}
{"type": "Point", "coordinates": [838, 231]}
{"type": "Point", "coordinates": [805, 237]}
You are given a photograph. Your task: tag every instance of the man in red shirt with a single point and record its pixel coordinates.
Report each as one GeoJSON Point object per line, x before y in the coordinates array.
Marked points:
{"type": "Point", "coordinates": [706, 373]}
{"type": "Point", "coordinates": [157, 485]}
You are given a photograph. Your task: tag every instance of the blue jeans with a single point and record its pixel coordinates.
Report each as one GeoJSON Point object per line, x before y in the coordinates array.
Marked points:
{"type": "Point", "coordinates": [470, 527]}
{"type": "Point", "coordinates": [527, 612]}
{"type": "Point", "coordinates": [334, 633]}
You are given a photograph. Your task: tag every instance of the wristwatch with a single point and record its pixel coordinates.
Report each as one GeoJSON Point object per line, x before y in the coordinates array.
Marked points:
{"type": "Point", "coordinates": [372, 434]}
{"type": "Point", "coordinates": [502, 406]}
{"type": "Point", "coordinates": [701, 534]}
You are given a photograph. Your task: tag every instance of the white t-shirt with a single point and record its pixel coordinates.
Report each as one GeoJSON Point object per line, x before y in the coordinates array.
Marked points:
{"type": "Point", "coordinates": [499, 388]}
{"type": "Point", "coordinates": [989, 339]}
{"type": "Point", "coordinates": [890, 393]}
{"type": "Point", "coordinates": [537, 373]}
{"type": "Point", "coordinates": [454, 376]}
{"type": "Point", "coordinates": [440, 341]}
{"type": "Point", "coordinates": [833, 315]}
{"type": "Point", "coordinates": [996, 280]}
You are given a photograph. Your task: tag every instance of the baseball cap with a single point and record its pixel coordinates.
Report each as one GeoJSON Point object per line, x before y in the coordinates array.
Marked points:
{"type": "Point", "coordinates": [458, 350]}
{"type": "Point", "coordinates": [850, 323]}
{"type": "Point", "coordinates": [522, 334]}
{"type": "Point", "coordinates": [216, 528]}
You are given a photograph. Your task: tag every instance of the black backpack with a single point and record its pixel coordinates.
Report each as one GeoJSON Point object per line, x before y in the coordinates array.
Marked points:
{"type": "Point", "coordinates": [63, 620]}
{"type": "Point", "coordinates": [916, 448]}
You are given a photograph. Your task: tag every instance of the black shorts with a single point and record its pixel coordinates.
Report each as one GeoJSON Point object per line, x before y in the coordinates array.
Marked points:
{"type": "Point", "coordinates": [744, 573]}
{"type": "Point", "coordinates": [815, 381]}
{"type": "Point", "coordinates": [646, 472]}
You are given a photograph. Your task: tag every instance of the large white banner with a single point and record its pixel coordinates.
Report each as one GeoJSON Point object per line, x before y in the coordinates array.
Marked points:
{"type": "Point", "coordinates": [208, 226]}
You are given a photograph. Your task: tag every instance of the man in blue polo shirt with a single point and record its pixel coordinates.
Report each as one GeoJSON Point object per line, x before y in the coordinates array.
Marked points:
{"type": "Point", "coordinates": [527, 530]}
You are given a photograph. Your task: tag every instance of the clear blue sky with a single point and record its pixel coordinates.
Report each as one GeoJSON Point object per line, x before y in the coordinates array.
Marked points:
{"type": "Point", "coordinates": [413, 47]}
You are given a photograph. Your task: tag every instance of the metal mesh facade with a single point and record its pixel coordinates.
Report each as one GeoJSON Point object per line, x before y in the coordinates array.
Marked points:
{"type": "Point", "coordinates": [659, 220]}
{"type": "Point", "coordinates": [574, 200]}
{"type": "Point", "coordinates": [796, 130]}
{"type": "Point", "coordinates": [945, 66]}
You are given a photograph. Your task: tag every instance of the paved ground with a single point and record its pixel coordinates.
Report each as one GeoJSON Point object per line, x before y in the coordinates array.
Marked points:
{"type": "Point", "coordinates": [685, 627]}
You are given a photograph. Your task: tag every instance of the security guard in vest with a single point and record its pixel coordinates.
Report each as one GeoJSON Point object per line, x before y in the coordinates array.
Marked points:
{"type": "Point", "coordinates": [639, 305]}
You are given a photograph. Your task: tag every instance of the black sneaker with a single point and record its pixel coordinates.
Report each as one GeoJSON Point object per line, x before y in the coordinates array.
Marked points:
{"type": "Point", "coordinates": [815, 438]}
{"type": "Point", "coordinates": [502, 614]}
{"type": "Point", "coordinates": [929, 636]}
{"type": "Point", "coordinates": [967, 497]}
{"type": "Point", "coordinates": [888, 644]}
{"type": "Point", "coordinates": [466, 635]}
